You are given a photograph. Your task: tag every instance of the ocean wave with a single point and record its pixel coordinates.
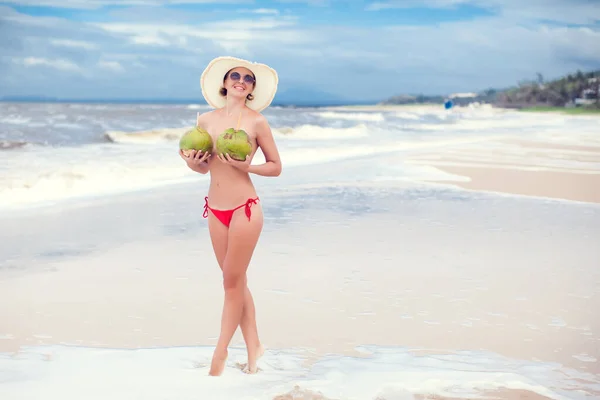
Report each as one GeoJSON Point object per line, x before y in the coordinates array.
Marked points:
{"type": "Point", "coordinates": [197, 107]}
{"type": "Point", "coordinates": [12, 144]}
{"type": "Point", "coordinates": [490, 124]}
{"type": "Point", "coordinates": [354, 116]}
{"type": "Point", "coordinates": [100, 169]}
{"type": "Point", "coordinates": [104, 169]}
{"type": "Point", "coordinates": [18, 120]}
{"type": "Point", "coordinates": [300, 132]}
{"type": "Point", "coordinates": [316, 132]}
{"type": "Point", "coordinates": [407, 115]}
{"type": "Point", "coordinates": [150, 136]}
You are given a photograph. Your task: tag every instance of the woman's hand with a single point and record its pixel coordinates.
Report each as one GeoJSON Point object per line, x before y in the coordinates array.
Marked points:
{"type": "Point", "coordinates": [243, 166]}
{"type": "Point", "coordinates": [194, 158]}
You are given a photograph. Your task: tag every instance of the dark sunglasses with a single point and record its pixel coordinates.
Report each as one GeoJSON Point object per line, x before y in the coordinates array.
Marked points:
{"type": "Point", "coordinates": [235, 76]}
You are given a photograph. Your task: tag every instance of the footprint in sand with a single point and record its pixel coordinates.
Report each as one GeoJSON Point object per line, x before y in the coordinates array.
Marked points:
{"type": "Point", "coordinates": [198, 365]}
{"type": "Point", "coordinates": [244, 368]}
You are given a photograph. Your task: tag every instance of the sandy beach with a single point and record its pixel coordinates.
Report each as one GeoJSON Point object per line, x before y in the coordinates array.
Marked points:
{"type": "Point", "coordinates": [523, 167]}
{"type": "Point", "coordinates": [486, 279]}
{"type": "Point", "coordinates": [367, 286]}
{"type": "Point", "coordinates": [551, 184]}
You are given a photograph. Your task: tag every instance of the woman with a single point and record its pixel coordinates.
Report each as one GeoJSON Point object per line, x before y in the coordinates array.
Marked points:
{"type": "Point", "coordinates": [238, 90]}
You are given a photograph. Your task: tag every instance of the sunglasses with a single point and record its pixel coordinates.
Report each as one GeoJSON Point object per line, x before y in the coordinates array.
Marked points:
{"type": "Point", "coordinates": [235, 76]}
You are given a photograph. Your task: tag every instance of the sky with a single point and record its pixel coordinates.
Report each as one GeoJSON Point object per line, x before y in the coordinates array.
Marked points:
{"type": "Point", "coordinates": [323, 50]}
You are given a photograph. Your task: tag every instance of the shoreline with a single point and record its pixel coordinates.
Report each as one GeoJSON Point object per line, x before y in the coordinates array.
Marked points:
{"type": "Point", "coordinates": [530, 167]}
{"type": "Point", "coordinates": [562, 110]}
{"type": "Point", "coordinates": [568, 186]}
{"type": "Point", "coordinates": [571, 112]}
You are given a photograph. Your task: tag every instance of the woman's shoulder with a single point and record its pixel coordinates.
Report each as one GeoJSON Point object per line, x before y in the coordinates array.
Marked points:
{"type": "Point", "coordinates": [258, 118]}
{"type": "Point", "coordinates": [208, 114]}
{"type": "Point", "coordinates": [205, 118]}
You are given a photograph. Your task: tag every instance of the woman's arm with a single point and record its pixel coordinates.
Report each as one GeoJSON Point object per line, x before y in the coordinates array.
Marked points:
{"type": "Point", "coordinates": [264, 139]}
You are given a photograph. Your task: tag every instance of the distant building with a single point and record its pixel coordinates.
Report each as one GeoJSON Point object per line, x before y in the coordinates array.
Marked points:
{"type": "Point", "coordinates": [462, 95]}
{"type": "Point", "coordinates": [588, 97]}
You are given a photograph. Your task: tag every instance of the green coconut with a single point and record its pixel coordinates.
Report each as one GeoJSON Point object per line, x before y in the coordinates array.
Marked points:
{"type": "Point", "coordinates": [196, 139]}
{"type": "Point", "coordinates": [236, 143]}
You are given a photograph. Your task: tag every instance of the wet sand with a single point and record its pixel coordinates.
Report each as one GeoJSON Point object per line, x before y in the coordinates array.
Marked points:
{"type": "Point", "coordinates": [551, 184]}
{"type": "Point", "coordinates": [530, 168]}
{"type": "Point", "coordinates": [436, 275]}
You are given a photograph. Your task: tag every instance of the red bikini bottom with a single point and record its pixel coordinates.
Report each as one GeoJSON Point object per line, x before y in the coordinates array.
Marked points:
{"type": "Point", "coordinates": [225, 215]}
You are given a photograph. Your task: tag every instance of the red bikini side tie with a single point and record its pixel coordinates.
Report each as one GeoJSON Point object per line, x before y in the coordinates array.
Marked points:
{"type": "Point", "coordinates": [225, 215]}
{"type": "Point", "coordinates": [248, 205]}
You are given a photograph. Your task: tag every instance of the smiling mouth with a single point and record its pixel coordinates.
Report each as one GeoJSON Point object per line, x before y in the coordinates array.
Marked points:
{"type": "Point", "coordinates": [238, 87]}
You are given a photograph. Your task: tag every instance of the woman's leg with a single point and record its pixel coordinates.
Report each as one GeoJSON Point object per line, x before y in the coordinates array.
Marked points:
{"type": "Point", "coordinates": [250, 332]}
{"type": "Point", "coordinates": [219, 237]}
{"type": "Point", "coordinates": [241, 242]}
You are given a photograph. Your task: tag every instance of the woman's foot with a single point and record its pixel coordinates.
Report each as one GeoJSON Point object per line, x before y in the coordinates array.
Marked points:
{"type": "Point", "coordinates": [253, 357]}
{"type": "Point", "coordinates": [217, 364]}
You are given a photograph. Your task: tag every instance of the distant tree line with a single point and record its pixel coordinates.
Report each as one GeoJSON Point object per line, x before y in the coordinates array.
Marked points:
{"type": "Point", "coordinates": [571, 90]}
{"type": "Point", "coordinates": [574, 90]}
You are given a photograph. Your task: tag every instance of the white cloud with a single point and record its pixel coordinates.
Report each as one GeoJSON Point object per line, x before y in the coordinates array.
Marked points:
{"type": "Point", "coordinates": [207, 29]}
{"type": "Point", "coordinates": [310, 2]}
{"type": "Point", "coordinates": [111, 65]}
{"type": "Point", "coordinates": [149, 40]}
{"type": "Point", "coordinates": [231, 35]}
{"type": "Point", "coordinates": [266, 11]}
{"type": "Point", "coordinates": [568, 12]}
{"type": "Point", "coordinates": [352, 61]}
{"type": "Point", "coordinates": [95, 4]}
{"type": "Point", "coordinates": [131, 60]}
{"type": "Point", "coordinates": [8, 14]}
{"type": "Point", "coordinates": [448, 57]}
{"type": "Point", "coordinates": [271, 11]}
{"type": "Point", "coordinates": [565, 11]}
{"type": "Point", "coordinates": [251, 24]}
{"type": "Point", "coordinates": [384, 5]}
{"type": "Point", "coordinates": [59, 64]}
{"type": "Point", "coordinates": [72, 43]}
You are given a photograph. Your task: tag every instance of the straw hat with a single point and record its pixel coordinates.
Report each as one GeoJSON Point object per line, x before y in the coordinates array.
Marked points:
{"type": "Point", "coordinates": [211, 81]}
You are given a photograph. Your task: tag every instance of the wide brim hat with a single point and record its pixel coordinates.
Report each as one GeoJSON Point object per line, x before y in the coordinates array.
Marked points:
{"type": "Point", "coordinates": [211, 81]}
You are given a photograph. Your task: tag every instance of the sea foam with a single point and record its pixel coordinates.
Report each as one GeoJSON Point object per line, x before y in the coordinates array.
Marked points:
{"type": "Point", "coordinates": [181, 373]}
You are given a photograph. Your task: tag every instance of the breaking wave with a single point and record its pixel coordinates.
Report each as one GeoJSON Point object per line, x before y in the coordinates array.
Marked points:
{"type": "Point", "coordinates": [12, 144]}
{"type": "Point", "coordinates": [151, 136]}
{"type": "Point", "coordinates": [319, 132]}
{"type": "Point", "coordinates": [313, 132]}
{"type": "Point", "coordinates": [353, 116]}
